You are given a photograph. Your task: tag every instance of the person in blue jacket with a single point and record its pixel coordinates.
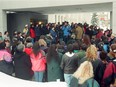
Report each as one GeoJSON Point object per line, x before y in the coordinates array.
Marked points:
{"type": "Point", "coordinates": [66, 31]}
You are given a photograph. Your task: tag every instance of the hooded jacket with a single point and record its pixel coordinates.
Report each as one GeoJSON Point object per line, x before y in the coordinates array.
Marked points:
{"type": "Point", "coordinates": [69, 63]}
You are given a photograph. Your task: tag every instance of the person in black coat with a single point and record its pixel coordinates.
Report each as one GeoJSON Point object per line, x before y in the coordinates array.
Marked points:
{"type": "Point", "coordinates": [22, 64]}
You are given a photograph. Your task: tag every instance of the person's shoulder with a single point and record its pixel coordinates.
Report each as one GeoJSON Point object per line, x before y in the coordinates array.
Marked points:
{"type": "Point", "coordinates": [93, 82]}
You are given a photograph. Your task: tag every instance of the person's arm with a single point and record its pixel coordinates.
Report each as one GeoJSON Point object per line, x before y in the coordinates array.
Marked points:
{"type": "Point", "coordinates": [62, 63]}
{"type": "Point", "coordinates": [74, 82]}
{"type": "Point", "coordinates": [108, 74]}
{"type": "Point", "coordinates": [28, 61]}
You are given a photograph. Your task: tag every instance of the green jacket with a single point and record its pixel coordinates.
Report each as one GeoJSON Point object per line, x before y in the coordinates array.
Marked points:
{"type": "Point", "coordinates": [54, 70]}
{"type": "Point", "coordinates": [81, 54]}
{"type": "Point", "coordinates": [89, 83]}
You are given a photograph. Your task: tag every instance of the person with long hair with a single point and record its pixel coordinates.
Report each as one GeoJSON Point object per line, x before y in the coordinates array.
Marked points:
{"type": "Point", "coordinates": [54, 58]}
{"type": "Point", "coordinates": [38, 62]}
{"type": "Point", "coordinates": [84, 77]}
{"type": "Point", "coordinates": [69, 64]}
{"type": "Point", "coordinates": [92, 56]}
{"type": "Point", "coordinates": [86, 40]}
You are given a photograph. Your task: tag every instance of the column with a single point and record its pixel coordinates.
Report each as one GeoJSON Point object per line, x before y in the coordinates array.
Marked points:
{"type": "Point", "coordinates": [114, 17]}
{"type": "Point", "coordinates": [3, 21]}
{"type": "Point", "coordinates": [111, 20]}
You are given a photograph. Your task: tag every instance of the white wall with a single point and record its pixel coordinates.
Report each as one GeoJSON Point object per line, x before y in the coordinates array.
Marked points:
{"type": "Point", "coordinates": [114, 17]}
{"type": "Point", "coordinates": [72, 17]}
{"type": "Point", "coordinates": [45, 3]}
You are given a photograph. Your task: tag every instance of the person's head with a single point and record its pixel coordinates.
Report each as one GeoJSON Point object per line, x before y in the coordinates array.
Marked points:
{"type": "Point", "coordinates": [26, 26]}
{"type": "Point", "coordinates": [36, 48]}
{"type": "Point", "coordinates": [29, 45]}
{"type": "Point", "coordinates": [20, 47]}
{"type": "Point", "coordinates": [91, 53]}
{"type": "Point", "coordinates": [37, 25]}
{"type": "Point", "coordinates": [75, 46]}
{"type": "Point", "coordinates": [103, 55]}
{"type": "Point", "coordinates": [113, 36]}
{"type": "Point", "coordinates": [15, 33]}
{"type": "Point", "coordinates": [42, 37]}
{"type": "Point", "coordinates": [19, 34]}
{"type": "Point", "coordinates": [113, 48]}
{"type": "Point", "coordinates": [65, 23]}
{"type": "Point", "coordinates": [83, 47]}
{"type": "Point", "coordinates": [42, 42]}
{"type": "Point", "coordinates": [52, 53]}
{"type": "Point", "coordinates": [32, 26]}
{"type": "Point", "coordinates": [100, 46]}
{"type": "Point", "coordinates": [2, 45]}
{"type": "Point", "coordinates": [86, 40]}
{"type": "Point", "coordinates": [84, 72]}
{"type": "Point", "coordinates": [28, 40]}
{"type": "Point", "coordinates": [70, 48]}
{"type": "Point", "coordinates": [6, 33]}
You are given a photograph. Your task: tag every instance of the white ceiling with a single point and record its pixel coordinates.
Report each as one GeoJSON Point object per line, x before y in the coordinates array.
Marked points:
{"type": "Point", "coordinates": [69, 9]}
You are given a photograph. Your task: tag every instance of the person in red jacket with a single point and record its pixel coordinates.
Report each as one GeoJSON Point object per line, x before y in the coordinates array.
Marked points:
{"type": "Point", "coordinates": [99, 34]}
{"type": "Point", "coordinates": [32, 33]}
{"type": "Point", "coordinates": [38, 60]}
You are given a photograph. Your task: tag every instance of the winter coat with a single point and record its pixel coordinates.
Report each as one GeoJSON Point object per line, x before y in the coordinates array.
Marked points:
{"type": "Point", "coordinates": [79, 32]}
{"type": "Point", "coordinates": [37, 31]}
{"type": "Point", "coordinates": [88, 83]}
{"type": "Point", "coordinates": [110, 74]}
{"type": "Point", "coordinates": [38, 62]}
{"type": "Point", "coordinates": [54, 71]}
{"type": "Point", "coordinates": [99, 35]}
{"type": "Point", "coordinates": [32, 33]}
{"type": "Point", "coordinates": [69, 63]}
{"type": "Point", "coordinates": [100, 72]}
{"type": "Point", "coordinates": [66, 30]}
{"type": "Point", "coordinates": [22, 66]}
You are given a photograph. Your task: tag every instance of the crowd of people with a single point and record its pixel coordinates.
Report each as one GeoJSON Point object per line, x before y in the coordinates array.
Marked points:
{"type": "Point", "coordinates": [79, 54]}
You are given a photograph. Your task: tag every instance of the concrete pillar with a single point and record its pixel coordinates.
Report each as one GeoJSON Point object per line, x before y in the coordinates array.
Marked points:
{"type": "Point", "coordinates": [3, 21]}
{"type": "Point", "coordinates": [111, 20]}
{"type": "Point", "coordinates": [114, 17]}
